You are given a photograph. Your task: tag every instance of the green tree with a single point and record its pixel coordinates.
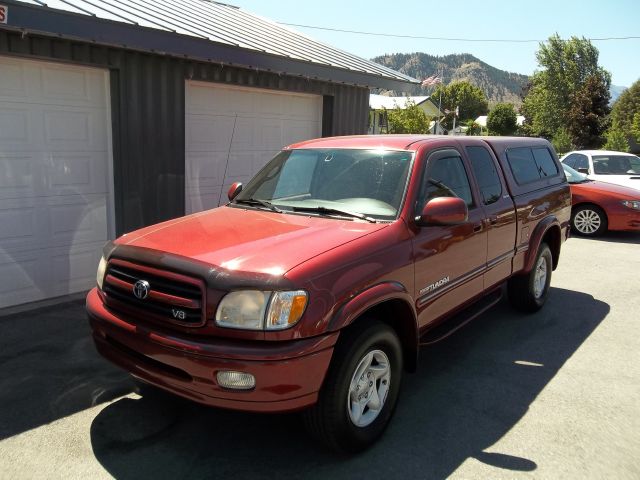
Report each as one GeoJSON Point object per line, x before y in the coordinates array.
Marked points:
{"type": "Point", "coordinates": [625, 108]}
{"type": "Point", "coordinates": [473, 128]}
{"type": "Point", "coordinates": [469, 99]}
{"type": "Point", "coordinates": [410, 119]}
{"type": "Point", "coordinates": [502, 120]}
{"type": "Point", "coordinates": [566, 67]}
{"type": "Point", "coordinates": [562, 141]}
{"type": "Point", "coordinates": [588, 116]}
{"type": "Point", "coordinates": [616, 140]}
{"type": "Point", "coordinates": [635, 127]}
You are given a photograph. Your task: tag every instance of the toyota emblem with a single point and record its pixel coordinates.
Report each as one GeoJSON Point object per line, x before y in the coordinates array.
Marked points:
{"type": "Point", "coordinates": [141, 289]}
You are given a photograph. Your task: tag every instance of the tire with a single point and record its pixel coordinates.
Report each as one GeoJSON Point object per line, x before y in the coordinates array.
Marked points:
{"type": "Point", "coordinates": [589, 221]}
{"type": "Point", "coordinates": [529, 292]}
{"type": "Point", "coordinates": [339, 420]}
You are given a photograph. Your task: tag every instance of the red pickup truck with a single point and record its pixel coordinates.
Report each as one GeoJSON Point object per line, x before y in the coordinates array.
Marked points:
{"type": "Point", "coordinates": [315, 286]}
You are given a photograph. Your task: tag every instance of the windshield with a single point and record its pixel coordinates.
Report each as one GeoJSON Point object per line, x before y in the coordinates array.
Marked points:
{"type": "Point", "coordinates": [616, 164]}
{"type": "Point", "coordinates": [573, 176]}
{"type": "Point", "coordinates": [350, 183]}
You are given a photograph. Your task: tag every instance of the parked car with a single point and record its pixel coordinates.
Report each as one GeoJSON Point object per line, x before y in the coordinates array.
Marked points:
{"type": "Point", "coordinates": [600, 206]}
{"type": "Point", "coordinates": [315, 286]}
{"type": "Point", "coordinates": [612, 167]}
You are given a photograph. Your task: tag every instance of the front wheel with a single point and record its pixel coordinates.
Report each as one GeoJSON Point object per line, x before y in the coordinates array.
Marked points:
{"type": "Point", "coordinates": [528, 292]}
{"type": "Point", "coordinates": [360, 392]}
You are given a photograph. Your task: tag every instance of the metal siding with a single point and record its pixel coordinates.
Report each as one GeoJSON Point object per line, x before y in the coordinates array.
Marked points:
{"type": "Point", "coordinates": [148, 116]}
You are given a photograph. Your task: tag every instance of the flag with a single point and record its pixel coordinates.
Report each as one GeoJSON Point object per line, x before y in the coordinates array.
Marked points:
{"type": "Point", "coordinates": [430, 81]}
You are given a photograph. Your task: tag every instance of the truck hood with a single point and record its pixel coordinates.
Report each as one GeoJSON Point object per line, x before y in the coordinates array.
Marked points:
{"type": "Point", "coordinates": [248, 240]}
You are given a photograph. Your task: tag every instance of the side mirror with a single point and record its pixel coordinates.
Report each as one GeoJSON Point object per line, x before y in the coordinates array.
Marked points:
{"type": "Point", "coordinates": [234, 190]}
{"type": "Point", "coordinates": [583, 170]}
{"type": "Point", "coordinates": [444, 211]}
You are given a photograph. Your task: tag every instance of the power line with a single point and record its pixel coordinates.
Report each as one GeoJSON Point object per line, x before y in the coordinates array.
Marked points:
{"type": "Point", "coordinates": [448, 39]}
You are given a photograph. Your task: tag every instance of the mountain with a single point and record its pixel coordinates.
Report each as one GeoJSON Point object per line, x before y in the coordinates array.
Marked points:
{"type": "Point", "coordinates": [498, 85]}
{"type": "Point", "coordinates": [616, 91]}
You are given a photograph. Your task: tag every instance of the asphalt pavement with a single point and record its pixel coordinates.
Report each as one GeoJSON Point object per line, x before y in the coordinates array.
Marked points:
{"type": "Point", "coordinates": [551, 395]}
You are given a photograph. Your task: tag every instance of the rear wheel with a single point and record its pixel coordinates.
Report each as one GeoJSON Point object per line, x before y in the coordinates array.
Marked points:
{"type": "Point", "coordinates": [361, 389]}
{"type": "Point", "coordinates": [589, 220]}
{"type": "Point", "coordinates": [528, 292]}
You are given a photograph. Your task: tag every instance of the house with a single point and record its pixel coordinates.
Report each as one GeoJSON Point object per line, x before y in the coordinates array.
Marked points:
{"type": "Point", "coordinates": [379, 105]}
{"type": "Point", "coordinates": [116, 115]}
{"type": "Point", "coordinates": [482, 121]}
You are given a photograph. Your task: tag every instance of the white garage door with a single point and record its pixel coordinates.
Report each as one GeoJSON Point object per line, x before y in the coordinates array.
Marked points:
{"type": "Point", "coordinates": [231, 132]}
{"type": "Point", "coordinates": [54, 178]}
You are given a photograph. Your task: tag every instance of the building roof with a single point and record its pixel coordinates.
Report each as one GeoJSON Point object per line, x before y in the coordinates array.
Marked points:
{"type": "Point", "coordinates": [378, 102]}
{"type": "Point", "coordinates": [482, 120]}
{"type": "Point", "coordinates": [202, 30]}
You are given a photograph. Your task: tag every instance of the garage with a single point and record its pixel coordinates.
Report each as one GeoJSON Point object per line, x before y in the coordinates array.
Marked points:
{"type": "Point", "coordinates": [55, 166]}
{"type": "Point", "coordinates": [231, 132]}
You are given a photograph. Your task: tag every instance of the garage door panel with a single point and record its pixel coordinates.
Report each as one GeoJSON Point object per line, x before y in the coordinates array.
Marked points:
{"type": "Point", "coordinates": [74, 269]}
{"type": "Point", "coordinates": [13, 85]}
{"type": "Point", "coordinates": [77, 221]}
{"type": "Point", "coordinates": [296, 131]}
{"type": "Point", "coordinates": [19, 225]}
{"type": "Point", "coordinates": [77, 173]}
{"type": "Point", "coordinates": [16, 175]}
{"type": "Point", "coordinates": [207, 133]}
{"type": "Point", "coordinates": [204, 198]}
{"type": "Point", "coordinates": [206, 169]}
{"type": "Point", "coordinates": [72, 129]}
{"type": "Point", "coordinates": [14, 127]}
{"type": "Point", "coordinates": [23, 278]}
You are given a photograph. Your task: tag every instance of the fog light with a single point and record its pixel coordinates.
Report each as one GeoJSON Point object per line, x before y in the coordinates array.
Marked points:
{"type": "Point", "coordinates": [236, 380]}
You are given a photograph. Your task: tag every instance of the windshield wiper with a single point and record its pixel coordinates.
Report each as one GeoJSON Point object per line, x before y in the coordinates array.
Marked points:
{"type": "Point", "coordinates": [258, 202]}
{"type": "Point", "coordinates": [334, 211]}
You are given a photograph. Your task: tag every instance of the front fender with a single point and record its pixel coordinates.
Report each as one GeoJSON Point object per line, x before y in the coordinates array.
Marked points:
{"type": "Point", "coordinates": [369, 298]}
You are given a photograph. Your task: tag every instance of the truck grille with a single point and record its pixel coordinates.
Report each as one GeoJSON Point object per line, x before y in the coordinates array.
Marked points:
{"type": "Point", "coordinates": [163, 296]}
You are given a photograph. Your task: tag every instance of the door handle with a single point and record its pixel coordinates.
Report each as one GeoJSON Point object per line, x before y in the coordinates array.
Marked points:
{"type": "Point", "coordinates": [493, 220]}
{"type": "Point", "coordinates": [477, 228]}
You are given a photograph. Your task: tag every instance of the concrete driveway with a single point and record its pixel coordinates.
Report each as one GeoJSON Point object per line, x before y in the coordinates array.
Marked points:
{"type": "Point", "coordinates": [550, 395]}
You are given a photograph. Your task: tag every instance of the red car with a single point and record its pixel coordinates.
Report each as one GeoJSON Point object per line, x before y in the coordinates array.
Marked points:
{"type": "Point", "coordinates": [600, 206]}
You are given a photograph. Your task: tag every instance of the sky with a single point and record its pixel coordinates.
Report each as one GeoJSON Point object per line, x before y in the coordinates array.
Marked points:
{"type": "Point", "coordinates": [486, 19]}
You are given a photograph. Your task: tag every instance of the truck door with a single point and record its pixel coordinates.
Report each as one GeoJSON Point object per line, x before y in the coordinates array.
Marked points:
{"type": "Point", "coordinates": [500, 213]}
{"type": "Point", "coordinates": [449, 259]}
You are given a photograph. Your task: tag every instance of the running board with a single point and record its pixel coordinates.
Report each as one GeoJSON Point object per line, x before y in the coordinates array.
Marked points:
{"type": "Point", "coordinates": [460, 319]}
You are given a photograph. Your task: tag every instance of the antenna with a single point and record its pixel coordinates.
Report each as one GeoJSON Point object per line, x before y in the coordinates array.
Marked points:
{"type": "Point", "coordinates": [226, 165]}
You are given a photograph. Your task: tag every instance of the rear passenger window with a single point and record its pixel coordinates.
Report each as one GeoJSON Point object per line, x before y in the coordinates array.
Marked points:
{"type": "Point", "coordinates": [484, 169]}
{"type": "Point", "coordinates": [546, 164]}
{"type": "Point", "coordinates": [522, 165]}
{"type": "Point", "coordinates": [529, 165]}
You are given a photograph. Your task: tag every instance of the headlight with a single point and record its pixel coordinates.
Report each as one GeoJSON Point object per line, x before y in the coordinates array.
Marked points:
{"type": "Point", "coordinates": [635, 204]}
{"type": "Point", "coordinates": [243, 309]}
{"type": "Point", "coordinates": [258, 310]}
{"type": "Point", "coordinates": [102, 267]}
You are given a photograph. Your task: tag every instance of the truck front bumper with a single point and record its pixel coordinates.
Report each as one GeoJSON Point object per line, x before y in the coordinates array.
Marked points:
{"type": "Point", "coordinates": [288, 375]}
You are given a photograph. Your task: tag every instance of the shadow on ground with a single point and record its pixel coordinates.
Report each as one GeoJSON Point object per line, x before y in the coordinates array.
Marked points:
{"type": "Point", "coordinates": [615, 237]}
{"type": "Point", "coordinates": [470, 390]}
{"type": "Point", "coordinates": [49, 368]}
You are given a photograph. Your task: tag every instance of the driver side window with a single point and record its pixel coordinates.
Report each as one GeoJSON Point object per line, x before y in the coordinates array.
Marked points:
{"type": "Point", "coordinates": [447, 177]}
